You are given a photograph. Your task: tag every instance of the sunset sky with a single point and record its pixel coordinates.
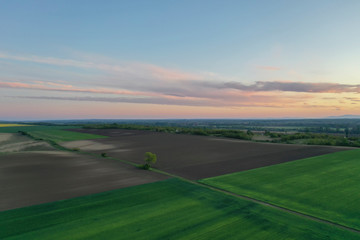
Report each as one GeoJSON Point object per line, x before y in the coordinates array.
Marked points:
{"type": "Point", "coordinates": [179, 59]}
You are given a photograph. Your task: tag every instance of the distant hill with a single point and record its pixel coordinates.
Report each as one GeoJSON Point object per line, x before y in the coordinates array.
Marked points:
{"type": "Point", "coordinates": [345, 116]}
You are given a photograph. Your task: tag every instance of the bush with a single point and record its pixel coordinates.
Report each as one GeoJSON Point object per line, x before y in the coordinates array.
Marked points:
{"type": "Point", "coordinates": [145, 166]}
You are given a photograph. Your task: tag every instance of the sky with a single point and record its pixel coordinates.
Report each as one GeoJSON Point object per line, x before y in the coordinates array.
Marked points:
{"type": "Point", "coordinates": [179, 59]}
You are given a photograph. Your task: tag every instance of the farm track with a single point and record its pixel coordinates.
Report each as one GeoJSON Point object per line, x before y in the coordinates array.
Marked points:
{"type": "Point", "coordinates": [310, 217]}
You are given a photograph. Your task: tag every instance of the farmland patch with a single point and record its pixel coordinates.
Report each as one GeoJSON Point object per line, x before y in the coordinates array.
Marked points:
{"type": "Point", "coordinates": [196, 157]}
{"type": "Point", "coordinates": [13, 142]}
{"type": "Point", "coordinates": [52, 133]}
{"type": "Point", "coordinates": [324, 186]}
{"type": "Point", "coordinates": [13, 125]}
{"type": "Point", "coordinates": [28, 178]}
{"type": "Point", "coordinates": [170, 209]}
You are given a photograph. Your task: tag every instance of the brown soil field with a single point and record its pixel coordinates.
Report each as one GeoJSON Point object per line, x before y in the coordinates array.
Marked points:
{"type": "Point", "coordinates": [28, 178]}
{"type": "Point", "coordinates": [195, 157]}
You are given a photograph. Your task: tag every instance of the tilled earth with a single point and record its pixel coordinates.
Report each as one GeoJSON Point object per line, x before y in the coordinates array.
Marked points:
{"type": "Point", "coordinates": [34, 177]}
{"type": "Point", "coordinates": [195, 157]}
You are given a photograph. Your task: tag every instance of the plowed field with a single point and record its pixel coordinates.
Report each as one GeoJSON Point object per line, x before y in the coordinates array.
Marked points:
{"type": "Point", "coordinates": [194, 157]}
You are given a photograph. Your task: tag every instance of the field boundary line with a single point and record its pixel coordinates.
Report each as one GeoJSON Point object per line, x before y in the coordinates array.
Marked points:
{"type": "Point", "coordinates": [59, 147]}
{"type": "Point", "coordinates": [284, 209]}
{"type": "Point", "coordinates": [263, 203]}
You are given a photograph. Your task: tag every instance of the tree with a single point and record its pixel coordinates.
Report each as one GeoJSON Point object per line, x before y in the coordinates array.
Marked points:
{"type": "Point", "coordinates": [346, 132]}
{"type": "Point", "coordinates": [150, 158]}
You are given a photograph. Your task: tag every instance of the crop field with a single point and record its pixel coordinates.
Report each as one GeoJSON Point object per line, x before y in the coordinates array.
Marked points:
{"type": "Point", "coordinates": [61, 135]}
{"type": "Point", "coordinates": [143, 204]}
{"type": "Point", "coordinates": [53, 133]}
{"type": "Point", "coordinates": [194, 157]}
{"type": "Point", "coordinates": [28, 178]}
{"type": "Point", "coordinates": [15, 129]}
{"type": "Point", "coordinates": [325, 186]}
{"type": "Point", "coordinates": [170, 209]}
{"type": "Point", "coordinates": [12, 125]}
{"type": "Point", "coordinates": [34, 172]}
{"type": "Point", "coordinates": [13, 142]}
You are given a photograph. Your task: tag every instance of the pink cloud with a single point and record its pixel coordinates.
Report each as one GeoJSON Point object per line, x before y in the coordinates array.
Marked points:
{"type": "Point", "coordinates": [268, 68]}
{"type": "Point", "coordinates": [59, 85]}
{"type": "Point", "coordinates": [69, 88]}
{"type": "Point", "coordinates": [135, 69]}
{"type": "Point", "coordinates": [48, 86]}
{"type": "Point", "coordinates": [290, 86]}
{"type": "Point", "coordinates": [138, 83]}
{"type": "Point", "coordinates": [170, 74]}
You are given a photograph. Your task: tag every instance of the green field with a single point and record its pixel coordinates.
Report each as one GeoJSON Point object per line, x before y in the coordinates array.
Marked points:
{"type": "Point", "coordinates": [170, 209]}
{"type": "Point", "coordinates": [15, 129]}
{"type": "Point", "coordinates": [53, 133]}
{"type": "Point", "coordinates": [326, 186]}
{"type": "Point", "coordinates": [61, 135]}
{"type": "Point", "coordinates": [12, 125]}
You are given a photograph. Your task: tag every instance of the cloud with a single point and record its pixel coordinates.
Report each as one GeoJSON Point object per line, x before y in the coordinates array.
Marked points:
{"type": "Point", "coordinates": [53, 61]}
{"type": "Point", "coordinates": [158, 100]}
{"type": "Point", "coordinates": [47, 86]}
{"type": "Point", "coordinates": [268, 68]}
{"type": "Point", "coordinates": [184, 94]}
{"type": "Point", "coordinates": [115, 67]}
{"type": "Point", "coordinates": [150, 84]}
{"type": "Point", "coordinates": [293, 87]}
{"type": "Point", "coordinates": [329, 98]}
{"type": "Point", "coordinates": [151, 78]}
{"type": "Point", "coordinates": [353, 99]}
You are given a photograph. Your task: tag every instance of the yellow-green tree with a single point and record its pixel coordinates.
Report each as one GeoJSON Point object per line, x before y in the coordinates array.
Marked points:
{"type": "Point", "coordinates": [150, 158]}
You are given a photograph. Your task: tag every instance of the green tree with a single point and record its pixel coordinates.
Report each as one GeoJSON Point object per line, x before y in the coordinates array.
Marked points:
{"type": "Point", "coordinates": [150, 158]}
{"type": "Point", "coordinates": [346, 132]}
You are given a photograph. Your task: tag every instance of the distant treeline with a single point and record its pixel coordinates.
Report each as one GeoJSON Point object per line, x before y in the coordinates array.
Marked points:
{"type": "Point", "coordinates": [238, 134]}
{"type": "Point", "coordinates": [334, 126]}
{"type": "Point", "coordinates": [275, 137]}
{"type": "Point", "coordinates": [314, 139]}
{"type": "Point", "coordinates": [348, 127]}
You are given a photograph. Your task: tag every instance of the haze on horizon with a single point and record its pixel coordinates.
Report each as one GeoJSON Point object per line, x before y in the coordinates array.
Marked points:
{"type": "Point", "coordinates": [179, 59]}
